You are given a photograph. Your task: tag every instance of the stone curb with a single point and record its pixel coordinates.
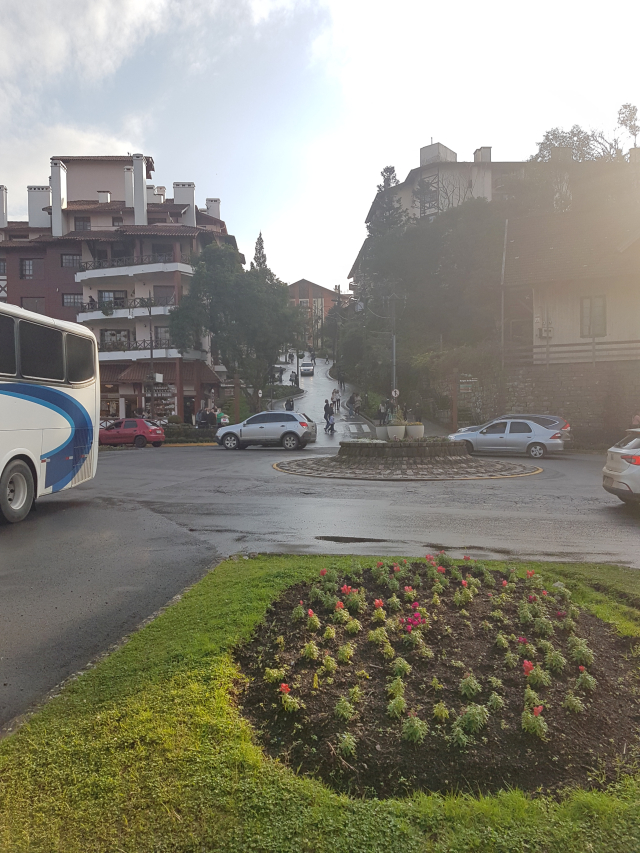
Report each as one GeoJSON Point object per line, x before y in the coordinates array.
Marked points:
{"type": "Point", "coordinates": [322, 467]}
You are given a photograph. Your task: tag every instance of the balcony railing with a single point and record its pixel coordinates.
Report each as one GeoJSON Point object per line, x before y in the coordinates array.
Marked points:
{"type": "Point", "coordinates": [133, 261]}
{"type": "Point", "coordinates": [129, 346]}
{"type": "Point", "coordinates": [579, 352]}
{"type": "Point", "coordinates": [108, 307]}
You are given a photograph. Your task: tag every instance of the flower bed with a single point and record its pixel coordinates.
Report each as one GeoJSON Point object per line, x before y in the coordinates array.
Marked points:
{"type": "Point", "coordinates": [405, 449]}
{"type": "Point", "coordinates": [441, 676]}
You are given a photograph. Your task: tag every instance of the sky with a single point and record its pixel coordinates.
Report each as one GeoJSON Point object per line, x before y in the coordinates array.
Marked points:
{"type": "Point", "coordinates": [288, 109]}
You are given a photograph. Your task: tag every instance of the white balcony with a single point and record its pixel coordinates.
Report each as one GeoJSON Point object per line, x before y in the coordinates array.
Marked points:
{"type": "Point", "coordinates": [141, 351]}
{"type": "Point", "coordinates": [144, 265]}
{"type": "Point", "coordinates": [125, 309]}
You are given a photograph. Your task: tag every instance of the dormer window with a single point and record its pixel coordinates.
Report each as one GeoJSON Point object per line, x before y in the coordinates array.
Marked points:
{"type": "Point", "coordinates": [116, 221]}
{"type": "Point", "coordinates": [82, 223]}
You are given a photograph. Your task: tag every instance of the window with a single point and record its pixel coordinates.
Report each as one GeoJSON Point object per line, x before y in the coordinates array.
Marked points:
{"type": "Point", "coordinates": [41, 352]}
{"type": "Point", "coordinates": [257, 419]}
{"type": "Point", "coordinates": [520, 427]}
{"type": "Point", "coordinates": [26, 267]}
{"type": "Point", "coordinates": [82, 223]}
{"type": "Point", "coordinates": [593, 317]}
{"type": "Point", "coordinates": [3, 266]}
{"type": "Point", "coordinates": [304, 303]}
{"type": "Point", "coordinates": [130, 425]}
{"type": "Point", "coordinates": [33, 303]}
{"type": "Point", "coordinates": [72, 300]}
{"type": "Point", "coordinates": [163, 293]}
{"type": "Point", "coordinates": [80, 366]}
{"type": "Point", "coordinates": [70, 260]}
{"type": "Point", "coordinates": [164, 251]}
{"type": "Point", "coordinates": [287, 417]}
{"type": "Point", "coordinates": [114, 336]}
{"type": "Point", "coordinates": [162, 335]}
{"type": "Point", "coordinates": [117, 220]}
{"type": "Point", "coordinates": [7, 346]}
{"type": "Point", "coordinates": [117, 297]}
{"type": "Point", "coordinates": [496, 429]}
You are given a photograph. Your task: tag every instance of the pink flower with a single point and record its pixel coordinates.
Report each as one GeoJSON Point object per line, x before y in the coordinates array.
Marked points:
{"type": "Point", "coordinates": [522, 639]}
{"type": "Point", "coordinates": [581, 668]}
{"type": "Point", "coordinates": [380, 564]}
{"type": "Point", "coordinates": [409, 628]}
{"type": "Point", "coordinates": [527, 666]}
{"type": "Point", "coordinates": [346, 590]}
{"type": "Point", "coordinates": [561, 613]}
{"type": "Point", "coordinates": [405, 562]}
{"type": "Point", "coordinates": [530, 573]}
{"type": "Point", "coordinates": [441, 570]}
{"type": "Point", "coordinates": [284, 688]}
{"type": "Point", "coordinates": [441, 552]}
{"type": "Point", "coordinates": [466, 558]}
{"type": "Point", "coordinates": [323, 572]}
{"type": "Point", "coordinates": [504, 583]}
{"type": "Point", "coordinates": [429, 557]}
{"type": "Point", "coordinates": [490, 594]}
{"type": "Point", "coordinates": [339, 605]}
{"type": "Point", "coordinates": [301, 602]}
{"type": "Point", "coordinates": [533, 598]}
{"type": "Point", "coordinates": [310, 612]}
{"type": "Point", "coordinates": [464, 583]}
{"type": "Point", "coordinates": [415, 605]}
{"type": "Point", "coordinates": [544, 592]}
{"type": "Point", "coordinates": [537, 710]}
{"type": "Point", "coordinates": [408, 589]}
{"type": "Point", "coordinates": [378, 603]}
{"type": "Point", "coordinates": [396, 568]}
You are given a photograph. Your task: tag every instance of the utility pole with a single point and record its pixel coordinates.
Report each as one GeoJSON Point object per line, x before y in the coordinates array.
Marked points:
{"type": "Point", "coordinates": [236, 397]}
{"type": "Point", "coordinates": [152, 375]}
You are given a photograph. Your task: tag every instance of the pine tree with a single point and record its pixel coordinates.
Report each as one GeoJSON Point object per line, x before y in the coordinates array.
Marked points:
{"type": "Point", "coordinates": [259, 261]}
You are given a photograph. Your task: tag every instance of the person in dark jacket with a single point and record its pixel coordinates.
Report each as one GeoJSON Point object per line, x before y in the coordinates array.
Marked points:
{"type": "Point", "coordinates": [289, 404]}
{"type": "Point", "coordinates": [328, 411]}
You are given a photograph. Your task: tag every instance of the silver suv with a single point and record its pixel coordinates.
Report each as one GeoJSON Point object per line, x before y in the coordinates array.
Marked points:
{"type": "Point", "coordinates": [291, 430]}
{"type": "Point", "coordinates": [513, 434]}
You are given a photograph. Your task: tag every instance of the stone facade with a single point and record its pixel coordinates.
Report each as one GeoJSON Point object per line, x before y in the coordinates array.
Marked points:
{"type": "Point", "coordinates": [401, 449]}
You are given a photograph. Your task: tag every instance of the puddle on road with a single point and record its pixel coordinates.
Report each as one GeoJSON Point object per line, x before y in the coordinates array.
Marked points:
{"type": "Point", "coordinates": [348, 539]}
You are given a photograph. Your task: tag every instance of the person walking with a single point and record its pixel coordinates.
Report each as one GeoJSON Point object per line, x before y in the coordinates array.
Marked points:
{"type": "Point", "coordinates": [331, 424]}
{"type": "Point", "coordinates": [350, 403]}
{"type": "Point", "coordinates": [327, 360]}
{"type": "Point", "coordinates": [357, 402]}
{"type": "Point", "coordinates": [327, 414]}
{"type": "Point", "coordinates": [382, 414]}
{"type": "Point", "coordinates": [289, 404]}
{"type": "Point", "coordinates": [417, 412]}
{"type": "Point", "coordinates": [338, 396]}
{"type": "Point", "coordinates": [293, 377]}
{"type": "Point", "coordinates": [341, 382]}
{"type": "Point", "coordinates": [334, 395]}
{"type": "Point", "coordinates": [201, 419]}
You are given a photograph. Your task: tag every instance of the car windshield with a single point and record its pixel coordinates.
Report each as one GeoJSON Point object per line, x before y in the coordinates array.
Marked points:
{"type": "Point", "coordinates": [631, 441]}
{"type": "Point", "coordinates": [152, 424]}
{"type": "Point", "coordinates": [307, 418]}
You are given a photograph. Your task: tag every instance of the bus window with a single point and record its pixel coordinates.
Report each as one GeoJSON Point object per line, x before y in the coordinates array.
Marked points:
{"type": "Point", "coordinates": [7, 346]}
{"type": "Point", "coordinates": [79, 358]}
{"type": "Point", "coordinates": [41, 352]}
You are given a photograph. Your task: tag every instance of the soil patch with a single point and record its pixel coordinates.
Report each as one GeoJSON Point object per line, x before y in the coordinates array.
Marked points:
{"type": "Point", "coordinates": [463, 624]}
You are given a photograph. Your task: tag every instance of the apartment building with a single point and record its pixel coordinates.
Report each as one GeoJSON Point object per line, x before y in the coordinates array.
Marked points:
{"type": "Point", "coordinates": [105, 247]}
{"type": "Point", "coordinates": [317, 301]}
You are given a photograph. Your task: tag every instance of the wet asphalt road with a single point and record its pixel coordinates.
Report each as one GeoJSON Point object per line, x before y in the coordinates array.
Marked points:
{"type": "Point", "coordinates": [91, 563]}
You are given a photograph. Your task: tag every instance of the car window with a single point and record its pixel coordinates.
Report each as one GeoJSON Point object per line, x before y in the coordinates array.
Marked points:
{"type": "Point", "coordinates": [519, 426]}
{"type": "Point", "coordinates": [545, 422]}
{"type": "Point", "coordinates": [130, 425]}
{"type": "Point", "coordinates": [496, 429]}
{"type": "Point", "coordinates": [116, 425]}
{"type": "Point", "coordinates": [151, 424]}
{"type": "Point", "coordinates": [287, 417]}
{"type": "Point", "coordinates": [631, 441]}
{"type": "Point", "coordinates": [307, 418]}
{"type": "Point", "coordinates": [257, 419]}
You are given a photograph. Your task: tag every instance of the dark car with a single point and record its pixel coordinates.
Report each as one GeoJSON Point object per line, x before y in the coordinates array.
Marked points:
{"type": "Point", "coordinates": [136, 431]}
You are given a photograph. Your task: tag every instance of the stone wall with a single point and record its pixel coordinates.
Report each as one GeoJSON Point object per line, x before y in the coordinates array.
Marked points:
{"type": "Point", "coordinates": [401, 449]}
{"type": "Point", "coordinates": [598, 400]}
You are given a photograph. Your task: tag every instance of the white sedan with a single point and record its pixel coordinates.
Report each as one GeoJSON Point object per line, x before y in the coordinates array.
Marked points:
{"type": "Point", "coordinates": [621, 473]}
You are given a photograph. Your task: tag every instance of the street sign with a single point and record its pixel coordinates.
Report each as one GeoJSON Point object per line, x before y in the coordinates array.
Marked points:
{"type": "Point", "coordinates": [395, 393]}
{"type": "Point", "coordinates": [259, 393]}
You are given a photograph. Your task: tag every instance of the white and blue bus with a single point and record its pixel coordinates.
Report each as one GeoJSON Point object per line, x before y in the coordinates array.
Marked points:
{"type": "Point", "coordinates": [49, 408]}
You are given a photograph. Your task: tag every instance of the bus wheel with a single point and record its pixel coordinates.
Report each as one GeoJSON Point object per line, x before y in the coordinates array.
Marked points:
{"type": "Point", "coordinates": [140, 441]}
{"type": "Point", "coordinates": [16, 491]}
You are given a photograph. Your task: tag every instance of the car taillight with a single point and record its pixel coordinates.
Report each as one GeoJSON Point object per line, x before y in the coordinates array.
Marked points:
{"type": "Point", "coordinates": [566, 426]}
{"type": "Point", "coordinates": [632, 460]}
{"type": "Point", "coordinates": [557, 435]}
{"type": "Point", "coordinates": [303, 424]}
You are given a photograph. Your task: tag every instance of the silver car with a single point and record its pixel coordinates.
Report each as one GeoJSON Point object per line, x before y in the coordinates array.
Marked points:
{"type": "Point", "coordinates": [621, 473]}
{"type": "Point", "coordinates": [291, 430]}
{"type": "Point", "coordinates": [511, 435]}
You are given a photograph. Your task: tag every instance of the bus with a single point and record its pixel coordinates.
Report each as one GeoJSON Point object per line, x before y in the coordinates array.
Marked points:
{"type": "Point", "coordinates": [49, 408]}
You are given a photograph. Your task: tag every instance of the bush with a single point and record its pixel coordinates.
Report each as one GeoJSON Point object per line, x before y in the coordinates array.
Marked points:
{"type": "Point", "coordinates": [414, 729]}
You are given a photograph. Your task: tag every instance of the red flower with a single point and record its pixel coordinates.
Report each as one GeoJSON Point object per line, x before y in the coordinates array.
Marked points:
{"type": "Point", "coordinates": [530, 573]}
{"type": "Point", "coordinates": [396, 568]}
{"type": "Point", "coordinates": [537, 710]}
{"type": "Point", "coordinates": [504, 583]}
{"type": "Point", "coordinates": [466, 558]}
{"type": "Point", "coordinates": [544, 592]}
{"type": "Point", "coordinates": [429, 557]}
{"type": "Point", "coordinates": [339, 605]}
{"type": "Point", "coordinates": [441, 552]}
{"type": "Point", "coordinates": [527, 666]}
{"type": "Point", "coordinates": [490, 594]}
{"type": "Point", "coordinates": [408, 589]}
{"type": "Point", "coordinates": [522, 639]}
{"type": "Point", "coordinates": [561, 613]}
{"type": "Point", "coordinates": [301, 602]}
{"type": "Point", "coordinates": [415, 605]}
{"type": "Point", "coordinates": [533, 598]}
{"type": "Point", "coordinates": [441, 569]}
{"type": "Point", "coordinates": [380, 564]}
{"type": "Point", "coordinates": [346, 590]}
{"type": "Point", "coordinates": [310, 612]}
{"type": "Point", "coordinates": [378, 603]}
{"type": "Point", "coordinates": [464, 583]}
{"type": "Point", "coordinates": [323, 572]}
{"type": "Point", "coordinates": [284, 688]}
{"type": "Point", "coordinates": [409, 628]}
{"type": "Point", "coordinates": [581, 668]}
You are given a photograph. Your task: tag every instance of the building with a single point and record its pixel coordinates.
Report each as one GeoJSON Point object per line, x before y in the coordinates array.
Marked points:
{"type": "Point", "coordinates": [104, 247]}
{"type": "Point", "coordinates": [317, 301]}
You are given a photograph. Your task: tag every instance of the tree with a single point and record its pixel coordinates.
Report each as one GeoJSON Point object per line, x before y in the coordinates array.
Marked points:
{"type": "Point", "coordinates": [388, 213]}
{"type": "Point", "coordinates": [628, 119]}
{"type": "Point", "coordinates": [259, 256]}
{"type": "Point", "coordinates": [245, 314]}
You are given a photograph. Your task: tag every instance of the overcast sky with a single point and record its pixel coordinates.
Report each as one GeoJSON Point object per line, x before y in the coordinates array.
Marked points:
{"type": "Point", "coordinates": [288, 109]}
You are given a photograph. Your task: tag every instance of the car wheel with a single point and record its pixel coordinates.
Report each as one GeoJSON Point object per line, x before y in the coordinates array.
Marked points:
{"type": "Point", "coordinates": [140, 441]}
{"type": "Point", "coordinates": [536, 451]}
{"type": "Point", "coordinates": [16, 491]}
{"type": "Point", "coordinates": [230, 441]}
{"type": "Point", "coordinates": [157, 443]}
{"type": "Point", "coordinates": [290, 441]}
{"type": "Point", "coordinates": [469, 447]}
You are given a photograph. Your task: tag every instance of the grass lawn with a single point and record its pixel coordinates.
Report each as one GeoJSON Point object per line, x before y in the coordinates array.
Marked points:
{"type": "Point", "coordinates": [147, 751]}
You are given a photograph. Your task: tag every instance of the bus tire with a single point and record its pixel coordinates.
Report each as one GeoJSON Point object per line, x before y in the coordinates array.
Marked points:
{"type": "Point", "coordinates": [16, 491]}
{"type": "Point", "coordinates": [140, 441]}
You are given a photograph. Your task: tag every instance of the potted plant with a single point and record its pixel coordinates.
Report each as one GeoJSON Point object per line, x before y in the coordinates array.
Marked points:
{"type": "Point", "coordinates": [415, 429]}
{"type": "Point", "coordinates": [396, 428]}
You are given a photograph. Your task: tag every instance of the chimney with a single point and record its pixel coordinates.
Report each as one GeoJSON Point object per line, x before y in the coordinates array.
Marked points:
{"type": "Point", "coordinates": [139, 190]}
{"type": "Point", "coordinates": [3, 206]}
{"type": "Point", "coordinates": [160, 195]}
{"type": "Point", "coordinates": [213, 207]}
{"type": "Point", "coordinates": [185, 193]}
{"type": "Point", "coordinates": [58, 196]}
{"type": "Point", "coordinates": [128, 186]}
{"type": "Point", "coordinates": [482, 155]}
{"type": "Point", "coordinates": [104, 196]}
{"type": "Point", "coordinates": [39, 197]}
{"type": "Point", "coordinates": [151, 194]}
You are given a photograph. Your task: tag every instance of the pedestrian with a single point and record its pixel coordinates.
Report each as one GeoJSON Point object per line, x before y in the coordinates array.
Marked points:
{"type": "Point", "coordinates": [289, 404]}
{"type": "Point", "coordinates": [291, 357]}
{"type": "Point", "coordinates": [293, 377]}
{"type": "Point", "coordinates": [338, 395]}
{"type": "Point", "coordinates": [201, 418]}
{"type": "Point", "coordinates": [382, 414]}
{"type": "Point", "coordinates": [334, 395]}
{"type": "Point", "coordinates": [327, 360]}
{"type": "Point", "coordinates": [327, 414]}
{"type": "Point", "coordinates": [341, 383]}
{"type": "Point", "coordinates": [331, 424]}
{"type": "Point", "coordinates": [635, 421]}
{"type": "Point", "coordinates": [350, 403]}
{"type": "Point", "coordinates": [313, 358]}
{"type": "Point", "coordinates": [212, 420]}
{"type": "Point", "coordinates": [357, 402]}
{"type": "Point", "coordinates": [417, 412]}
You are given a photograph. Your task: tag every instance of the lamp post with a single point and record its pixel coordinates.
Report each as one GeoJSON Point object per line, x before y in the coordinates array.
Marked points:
{"type": "Point", "coordinates": [152, 374]}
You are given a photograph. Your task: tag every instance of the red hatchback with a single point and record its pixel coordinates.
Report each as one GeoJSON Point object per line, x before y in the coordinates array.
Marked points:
{"type": "Point", "coordinates": [135, 431]}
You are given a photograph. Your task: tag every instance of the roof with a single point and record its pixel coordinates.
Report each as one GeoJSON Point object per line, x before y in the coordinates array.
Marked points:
{"type": "Point", "coordinates": [120, 207]}
{"type": "Point", "coordinates": [122, 158]}
{"type": "Point", "coordinates": [573, 246]}
{"type": "Point", "coordinates": [161, 230]}
{"type": "Point", "coordinates": [206, 219]}
{"type": "Point", "coordinates": [313, 284]}
{"type": "Point", "coordinates": [139, 371]}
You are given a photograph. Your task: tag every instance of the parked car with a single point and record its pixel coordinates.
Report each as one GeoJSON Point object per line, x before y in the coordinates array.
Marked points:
{"type": "Point", "coordinates": [513, 434]}
{"type": "Point", "coordinates": [621, 473]}
{"type": "Point", "coordinates": [307, 368]}
{"type": "Point", "coordinates": [550, 421]}
{"type": "Point", "coordinates": [136, 431]}
{"type": "Point", "coordinates": [291, 430]}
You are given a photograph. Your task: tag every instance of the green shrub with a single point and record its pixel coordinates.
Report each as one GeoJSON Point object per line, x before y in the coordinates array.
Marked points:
{"type": "Point", "coordinates": [347, 745]}
{"type": "Point", "coordinates": [401, 667]}
{"type": "Point", "coordinates": [274, 676]}
{"type": "Point", "coordinates": [329, 665]}
{"type": "Point", "coordinates": [397, 707]}
{"type": "Point", "coordinates": [474, 718]}
{"type": "Point", "coordinates": [534, 725]}
{"type": "Point", "coordinates": [502, 642]}
{"type": "Point", "coordinates": [378, 636]}
{"type": "Point", "coordinates": [345, 653]}
{"type": "Point", "coordinates": [414, 729]}
{"type": "Point", "coordinates": [573, 704]}
{"type": "Point", "coordinates": [470, 686]}
{"type": "Point", "coordinates": [440, 712]}
{"type": "Point", "coordinates": [344, 710]}
{"type": "Point", "coordinates": [554, 661]}
{"type": "Point", "coordinates": [579, 651]}
{"type": "Point", "coordinates": [353, 626]}
{"type": "Point", "coordinates": [356, 694]}
{"type": "Point", "coordinates": [495, 702]}
{"type": "Point", "coordinates": [329, 634]}
{"type": "Point", "coordinates": [311, 651]}
{"type": "Point", "coordinates": [538, 677]}
{"type": "Point", "coordinates": [395, 688]}
{"type": "Point", "coordinates": [585, 681]}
